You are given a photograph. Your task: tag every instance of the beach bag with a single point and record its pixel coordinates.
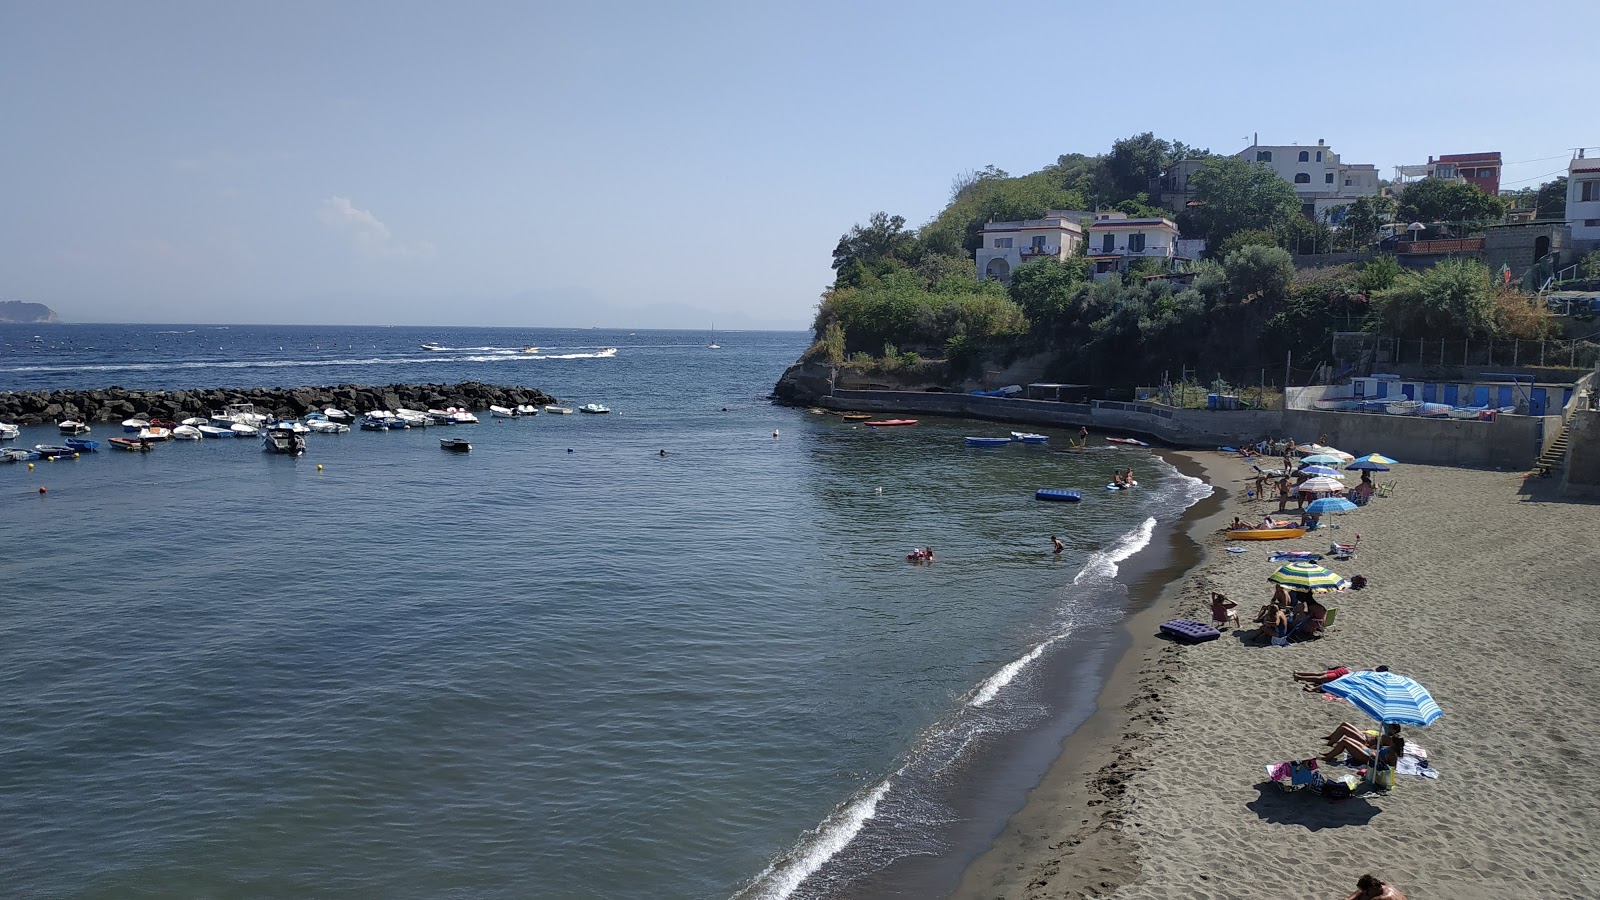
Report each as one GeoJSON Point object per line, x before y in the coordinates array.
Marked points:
{"type": "Point", "coordinates": [1336, 790]}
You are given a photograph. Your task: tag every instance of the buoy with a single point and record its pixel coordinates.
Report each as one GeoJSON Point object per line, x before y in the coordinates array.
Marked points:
{"type": "Point", "coordinates": [569, 449]}
{"type": "Point", "coordinates": [74, 456]}
{"type": "Point", "coordinates": [877, 490]}
{"type": "Point", "coordinates": [41, 488]}
{"type": "Point", "coordinates": [30, 467]}
{"type": "Point", "coordinates": [774, 432]}
{"type": "Point", "coordinates": [319, 467]}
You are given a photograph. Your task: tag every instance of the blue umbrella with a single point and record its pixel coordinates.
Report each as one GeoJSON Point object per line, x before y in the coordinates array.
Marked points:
{"type": "Point", "coordinates": [1320, 470]}
{"type": "Point", "coordinates": [1387, 697]}
{"type": "Point", "coordinates": [1378, 458]}
{"type": "Point", "coordinates": [1329, 505]}
{"type": "Point", "coordinates": [1368, 465]}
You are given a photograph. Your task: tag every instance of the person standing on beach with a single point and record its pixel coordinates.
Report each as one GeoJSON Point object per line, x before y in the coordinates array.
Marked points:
{"type": "Point", "coordinates": [1371, 887]}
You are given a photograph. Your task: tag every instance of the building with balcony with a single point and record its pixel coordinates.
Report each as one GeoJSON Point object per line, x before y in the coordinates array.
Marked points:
{"type": "Point", "coordinates": [1170, 190]}
{"type": "Point", "coordinates": [1116, 240]}
{"type": "Point", "coordinates": [1583, 198]}
{"type": "Point", "coordinates": [1481, 170]}
{"type": "Point", "coordinates": [1323, 183]}
{"type": "Point", "coordinates": [1007, 245]}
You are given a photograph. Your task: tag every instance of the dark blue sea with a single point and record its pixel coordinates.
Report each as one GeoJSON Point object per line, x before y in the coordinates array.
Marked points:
{"type": "Point", "coordinates": [562, 665]}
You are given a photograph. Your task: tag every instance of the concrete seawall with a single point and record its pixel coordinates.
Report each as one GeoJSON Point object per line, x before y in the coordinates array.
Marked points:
{"type": "Point", "coordinates": [1508, 442]}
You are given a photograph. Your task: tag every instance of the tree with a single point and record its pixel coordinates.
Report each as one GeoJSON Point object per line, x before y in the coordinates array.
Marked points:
{"type": "Point", "coordinates": [1234, 195]}
{"type": "Point", "coordinates": [1551, 200]}
{"type": "Point", "coordinates": [1045, 288]}
{"type": "Point", "coordinates": [1438, 200]}
{"type": "Point", "coordinates": [1361, 222]}
{"type": "Point", "coordinates": [1133, 161]}
{"type": "Point", "coordinates": [1261, 272]}
{"type": "Point", "coordinates": [1453, 299]}
{"type": "Point", "coordinates": [864, 250]}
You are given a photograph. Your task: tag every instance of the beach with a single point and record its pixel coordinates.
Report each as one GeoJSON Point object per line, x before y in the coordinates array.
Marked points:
{"type": "Point", "coordinates": [1479, 587]}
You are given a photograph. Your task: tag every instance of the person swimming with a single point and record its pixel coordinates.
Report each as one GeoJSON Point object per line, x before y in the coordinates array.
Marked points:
{"type": "Point", "coordinates": [1056, 543]}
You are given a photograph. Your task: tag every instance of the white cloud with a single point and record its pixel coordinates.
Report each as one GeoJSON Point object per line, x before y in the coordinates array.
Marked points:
{"type": "Point", "coordinates": [371, 238]}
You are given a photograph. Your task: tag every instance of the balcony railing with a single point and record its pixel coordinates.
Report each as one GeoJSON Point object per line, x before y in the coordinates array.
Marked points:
{"type": "Point", "coordinates": [1030, 252]}
{"type": "Point", "coordinates": [1463, 245]}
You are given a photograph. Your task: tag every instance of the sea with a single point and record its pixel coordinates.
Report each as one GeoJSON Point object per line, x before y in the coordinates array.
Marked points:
{"type": "Point", "coordinates": [676, 650]}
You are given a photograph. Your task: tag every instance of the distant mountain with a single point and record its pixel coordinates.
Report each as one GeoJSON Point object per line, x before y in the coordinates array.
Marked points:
{"type": "Point", "coordinates": [15, 312]}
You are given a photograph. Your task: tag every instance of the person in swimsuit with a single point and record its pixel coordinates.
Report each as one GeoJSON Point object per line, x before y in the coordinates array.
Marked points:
{"type": "Point", "coordinates": [1348, 739]}
{"type": "Point", "coordinates": [1056, 543]}
{"type": "Point", "coordinates": [1320, 678]}
{"type": "Point", "coordinates": [1370, 887]}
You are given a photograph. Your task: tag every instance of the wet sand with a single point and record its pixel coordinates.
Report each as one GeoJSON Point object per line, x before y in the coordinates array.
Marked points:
{"type": "Point", "coordinates": [1480, 588]}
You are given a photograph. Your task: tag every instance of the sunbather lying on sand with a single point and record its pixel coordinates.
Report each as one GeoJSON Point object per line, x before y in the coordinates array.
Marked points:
{"type": "Point", "coordinates": [1359, 745]}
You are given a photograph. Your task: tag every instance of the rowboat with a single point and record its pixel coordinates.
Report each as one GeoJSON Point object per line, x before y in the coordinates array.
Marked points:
{"type": "Point", "coordinates": [455, 445]}
{"type": "Point", "coordinates": [857, 417]}
{"type": "Point", "coordinates": [1466, 412]}
{"type": "Point", "coordinates": [987, 442]}
{"type": "Point", "coordinates": [134, 426]}
{"type": "Point", "coordinates": [1265, 534]}
{"type": "Point", "coordinates": [557, 410]}
{"type": "Point", "coordinates": [51, 451]}
{"type": "Point", "coordinates": [1403, 407]}
{"type": "Point", "coordinates": [502, 411]}
{"type": "Point", "coordinates": [133, 444]}
{"type": "Point", "coordinates": [885, 423]}
{"type": "Point", "coordinates": [1028, 437]}
{"type": "Point", "coordinates": [81, 445]}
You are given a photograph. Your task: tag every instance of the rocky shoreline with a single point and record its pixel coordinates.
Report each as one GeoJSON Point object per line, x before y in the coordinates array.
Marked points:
{"type": "Point", "coordinates": [115, 403]}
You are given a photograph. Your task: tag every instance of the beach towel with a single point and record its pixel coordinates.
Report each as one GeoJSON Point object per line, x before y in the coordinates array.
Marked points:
{"type": "Point", "coordinates": [1235, 549]}
{"type": "Point", "coordinates": [1410, 765]}
{"type": "Point", "coordinates": [1294, 555]}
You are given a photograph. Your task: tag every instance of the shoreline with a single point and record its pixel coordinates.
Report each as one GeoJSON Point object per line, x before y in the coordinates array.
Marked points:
{"type": "Point", "coordinates": [1067, 830]}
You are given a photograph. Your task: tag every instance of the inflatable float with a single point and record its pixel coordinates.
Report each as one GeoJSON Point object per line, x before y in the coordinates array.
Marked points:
{"type": "Point", "coordinates": [1265, 534]}
{"type": "Point", "coordinates": [1121, 487]}
{"type": "Point", "coordinates": [1059, 495]}
{"type": "Point", "coordinates": [887, 422]}
{"type": "Point", "coordinates": [1131, 442]}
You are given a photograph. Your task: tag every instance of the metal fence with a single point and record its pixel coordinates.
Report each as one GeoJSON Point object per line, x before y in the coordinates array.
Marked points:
{"type": "Point", "coordinates": [1364, 353]}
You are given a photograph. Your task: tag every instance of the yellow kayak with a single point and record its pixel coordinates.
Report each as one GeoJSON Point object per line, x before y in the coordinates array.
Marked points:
{"type": "Point", "coordinates": [1265, 534]}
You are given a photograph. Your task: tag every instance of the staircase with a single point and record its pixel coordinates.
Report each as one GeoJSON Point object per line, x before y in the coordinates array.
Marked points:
{"type": "Point", "coordinates": [1554, 456]}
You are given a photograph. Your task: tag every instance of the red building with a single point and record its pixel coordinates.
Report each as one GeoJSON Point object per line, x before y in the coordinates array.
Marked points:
{"type": "Point", "coordinates": [1481, 170]}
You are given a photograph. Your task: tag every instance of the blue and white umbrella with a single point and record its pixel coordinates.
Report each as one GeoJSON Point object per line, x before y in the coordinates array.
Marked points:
{"type": "Point", "coordinates": [1387, 697]}
{"type": "Point", "coordinates": [1329, 505]}
{"type": "Point", "coordinates": [1320, 470]}
{"type": "Point", "coordinates": [1367, 465]}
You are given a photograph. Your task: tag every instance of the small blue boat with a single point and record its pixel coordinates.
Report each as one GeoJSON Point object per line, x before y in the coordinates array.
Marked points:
{"type": "Point", "coordinates": [987, 442]}
{"type": "Point", "coordinates": [83, 445]}
{"type": "Point", "coordinates": [1059, 495]}
{"type": "Point", "coordinates": [48, 451]}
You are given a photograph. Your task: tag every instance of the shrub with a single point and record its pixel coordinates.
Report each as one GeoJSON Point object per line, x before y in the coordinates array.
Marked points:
{"type": "Point", "coordinates": [1258, 271]}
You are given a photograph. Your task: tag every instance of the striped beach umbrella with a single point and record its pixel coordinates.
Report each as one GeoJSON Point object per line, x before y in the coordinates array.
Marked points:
{"type": "Point", "coordinates": [1329, 505]}
{"type": "Point", "coordinates": [1304, 575]}
{"type": "Point", "coordinates": [1322, 459]}
{"type": "Point", "coordinates": [1320, 470]}
{"type": "Point", "coordinates": [1378, 458]}
{"type": "Point", "coordinates": [1322, 485]}
{"type": "Point", "coordinates": [1387, 697]}
{"type": "Point", "coordinates": [1361, 465]}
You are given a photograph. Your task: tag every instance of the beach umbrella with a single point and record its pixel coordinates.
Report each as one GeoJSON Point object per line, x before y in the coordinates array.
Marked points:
{"type": "Point", "coordinates": [1378, 458]}
{"type": "Point", "coordinates": [1304, 575]}
{"type": "Point", "coordinates": [1322, 485]}
{"type": "Point", "coordinates": [1388, 697]}
{"type": "Point", "coordinates": [1362, 465]}
{"type": "Point", "coordinates": [1329, 505]}
{"type": "Point", "coordinates": [1322, 459]}
{"type": "Point", "coordinates": [1320, 470]}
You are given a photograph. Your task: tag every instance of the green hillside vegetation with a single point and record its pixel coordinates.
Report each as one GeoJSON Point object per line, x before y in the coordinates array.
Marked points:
{"type": "Point", "coordinates": [904, 296]}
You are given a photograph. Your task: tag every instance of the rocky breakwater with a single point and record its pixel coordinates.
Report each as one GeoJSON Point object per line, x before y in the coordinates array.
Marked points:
{"type": "Point", "coordinates": [115, 404]}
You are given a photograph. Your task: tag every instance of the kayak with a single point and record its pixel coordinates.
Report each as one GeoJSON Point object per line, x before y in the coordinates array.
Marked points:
{"type": "Point", "coordinates": [857, 417]}
{"type": "Point", "coordinates": [985, 441]}
{"type": "Point", "coordinates": [1265, 534]}
{"type": "Point", "coordinates": [891, 422]}
{"type": "Point", "coordinates": [1132, 442]}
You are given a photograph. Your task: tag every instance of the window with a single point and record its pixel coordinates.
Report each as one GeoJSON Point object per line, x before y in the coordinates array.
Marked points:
{"type": "Point", "coordinates": [1108, 244]}
{"type": "Point", "coordinates": [1327, 178]}
{"type": "Point", "coordinates": [1302, 178]}
{"type": "Point", "coordinates": [1263, 156]}
{"type": "Point", "coordinates": [1591, 223]}
{"type": "Point", "coordinates": [1136, 243]}
{"type": "Point", "coordinates": [1038, 242]}
{"type": "Point", "coordinates": [1304, 156]}
{"type": "Point", "coordinates": [1319, 156]}
{"type": "Point", "coordinates": [1589, 190]}
{"type": "Point", "coordinates": [1002, 243]}
{"type": "Point", "coordinates": [1347, 182]}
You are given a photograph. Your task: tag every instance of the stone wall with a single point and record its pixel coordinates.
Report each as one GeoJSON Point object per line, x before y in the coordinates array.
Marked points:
{"type": "Point", "coordinates": [1582, 474]}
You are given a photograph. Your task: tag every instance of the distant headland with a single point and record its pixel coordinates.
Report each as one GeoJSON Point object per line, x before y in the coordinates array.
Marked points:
{"type": "Point", "coordinates": [16, 312]}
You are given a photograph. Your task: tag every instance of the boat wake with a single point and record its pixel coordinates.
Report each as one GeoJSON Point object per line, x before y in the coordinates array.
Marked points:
{"type": "Point", "coordinates": [435, 359]}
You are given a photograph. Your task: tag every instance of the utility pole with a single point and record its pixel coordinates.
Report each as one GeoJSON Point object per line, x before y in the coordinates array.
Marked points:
{"type": "Point", "coordinates": [1288, 356]}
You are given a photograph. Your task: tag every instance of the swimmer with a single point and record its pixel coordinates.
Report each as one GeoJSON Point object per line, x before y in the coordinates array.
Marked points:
{"type": "Point", "coordinates": [1056, 543]}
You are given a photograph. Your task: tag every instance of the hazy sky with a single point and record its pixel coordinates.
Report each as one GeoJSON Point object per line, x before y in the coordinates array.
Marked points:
{"type": "Point", "coordinates": [518, 163]}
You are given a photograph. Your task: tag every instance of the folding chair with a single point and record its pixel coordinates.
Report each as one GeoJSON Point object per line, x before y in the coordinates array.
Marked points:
{"type": "Point", "coordinates": [1386, 489]}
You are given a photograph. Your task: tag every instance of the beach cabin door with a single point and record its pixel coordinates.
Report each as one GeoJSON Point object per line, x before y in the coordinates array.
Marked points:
{"type": "Point", "coordinates": [1536, 402]}
{"type": "Point", "coordinates": [1409, 391]}
{"type": "Point", "coordinates": [1450, 393]}
{"type": "Point", "coordinates": [1480, 396]}
{"type": "Point", "coordinates": [1383, 389]}
{"type": "Point", "coordinates": [1430, 393]}
{"type": "Point", "coordinates": [1504, 396]}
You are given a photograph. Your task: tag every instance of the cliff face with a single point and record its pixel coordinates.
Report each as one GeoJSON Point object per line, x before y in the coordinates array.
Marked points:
{"type": "Point", "coordinates": [15, 312]}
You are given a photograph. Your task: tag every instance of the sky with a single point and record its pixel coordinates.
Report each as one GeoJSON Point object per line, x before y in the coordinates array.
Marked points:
{"type": "Point", "coordinates": [687, 164]}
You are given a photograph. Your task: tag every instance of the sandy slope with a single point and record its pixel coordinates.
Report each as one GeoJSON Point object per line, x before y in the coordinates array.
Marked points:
{"type": "Point", "coordinates": [1485, 596]}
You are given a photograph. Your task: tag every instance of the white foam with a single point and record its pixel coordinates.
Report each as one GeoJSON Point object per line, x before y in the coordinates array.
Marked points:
{"type": "Point", "coordinates": [783, 877]}
{"type": "Point", "coordinates": [607, 353]}
{"type": "Point", "coordinates": [1000, 679]}
{"type": "Point", "coordinates": [1102, 565]}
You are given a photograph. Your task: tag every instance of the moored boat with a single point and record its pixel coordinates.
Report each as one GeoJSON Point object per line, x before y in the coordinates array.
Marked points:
{"type": "Point", "coordinates": [527, 409]}
{"type": "Point", "coordinates": [856, 417]}
{"type": "Point", "coordinates": [134, 426]}
{"type": "Point", "coordinates": [887, 423]}
{"type": "Point", "coordinates": [215, 431]}
{"type": "Point", "coordinates": [72, 426]}
{"type": "Point", "coordinates": [987, 442]}
{"type": "Point", "coordinates": [17, 454]}
{"type": "Point", "coordinates": [187, 433]}
{"type": "Point", "coordinates": [336, 414]}
{"type": "Point", "coordinates": [195, 421]}
{"type": "Point", "coordinates": [503, 412]}
{"type": "Point", "coordinates": [1028, 437]}
{"type": "Point", "coordinates": [54, 451]}
{"type": "Point", "coordinates": [125, 443]}
{"type": "Point", "coordinates": [557, 410]}
{"type": "Point", "coordinates": [155, 433]}
{"type": "Point", "coordinates": [241, 430]}
{"type": "Point", "coordinates": [279, 439]}
{"type": "Point", "coordinates": [323, 426]}
{"type": "Point", "coordinates": [82, 445]}
{"type": "Point", "coordinates": [594, 409]}
{"type": "Point", "coordinates": [461, 416]}
{"type": "Point", "coordinates": [9, 431]}
{"type": "Point", "coordinates": [455, 445]}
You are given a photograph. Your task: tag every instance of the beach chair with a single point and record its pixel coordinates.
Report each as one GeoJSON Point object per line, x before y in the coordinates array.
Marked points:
{"type": "Point", "coordinates": [1386, 489]}
{"type": "Point", "coordinates": [1327, 621]}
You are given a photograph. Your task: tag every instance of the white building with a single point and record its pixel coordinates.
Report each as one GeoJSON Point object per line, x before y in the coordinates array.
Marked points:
{"type": "Point", "coordinates": [1007, 245]}
{"type": "Point", "coordinates": [1116, 240]}
{"type": "Point", "coordinates": [1583, 197]}
{"type": "Point", "coordinates": [1322, 181]}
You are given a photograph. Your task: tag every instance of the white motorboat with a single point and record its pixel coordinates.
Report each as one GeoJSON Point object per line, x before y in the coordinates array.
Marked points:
{"type": "Point", "coordinates": [155, 433]}
{"type": "Point", "coordinates": [195, 421]}
{"type": "Point", "coordinates": [215, 431]}
{"type": "Point", "coordinates": [412, 418]}
{"type": "Point", "coordinates": [1403, 407]}
{"type": "Point", "coordinates": [323, 426]}
{"type": "Point", "coordinates": [503, 412]}
{"type": "Point", "coordinates": [432, 346]}
{"type": "Point", "coordinates": [440, 417]}
{"type": "Point", "coordinates": [292, 425]}
{"type": "Point", "coordinates": [241, 430]}
{"type": "Point", "coordinates": [134, 426]}
{"type": "Point", "coordinates": [462, 417]}
{"type": "Point", "coordinates": [594, 408]}
{"type": "Point", "coordinates": [527, 409]}
{"type": "Point", "coordinates": [9, 431]}
{"type": "Point", "coordinates": [558, 410]}
{"type": "Point", "coordinates": [336, 414]}
{"type": "Point", "coordinates": [72, 426]}
{"type": "Point", "coordinates": [187, 433]}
